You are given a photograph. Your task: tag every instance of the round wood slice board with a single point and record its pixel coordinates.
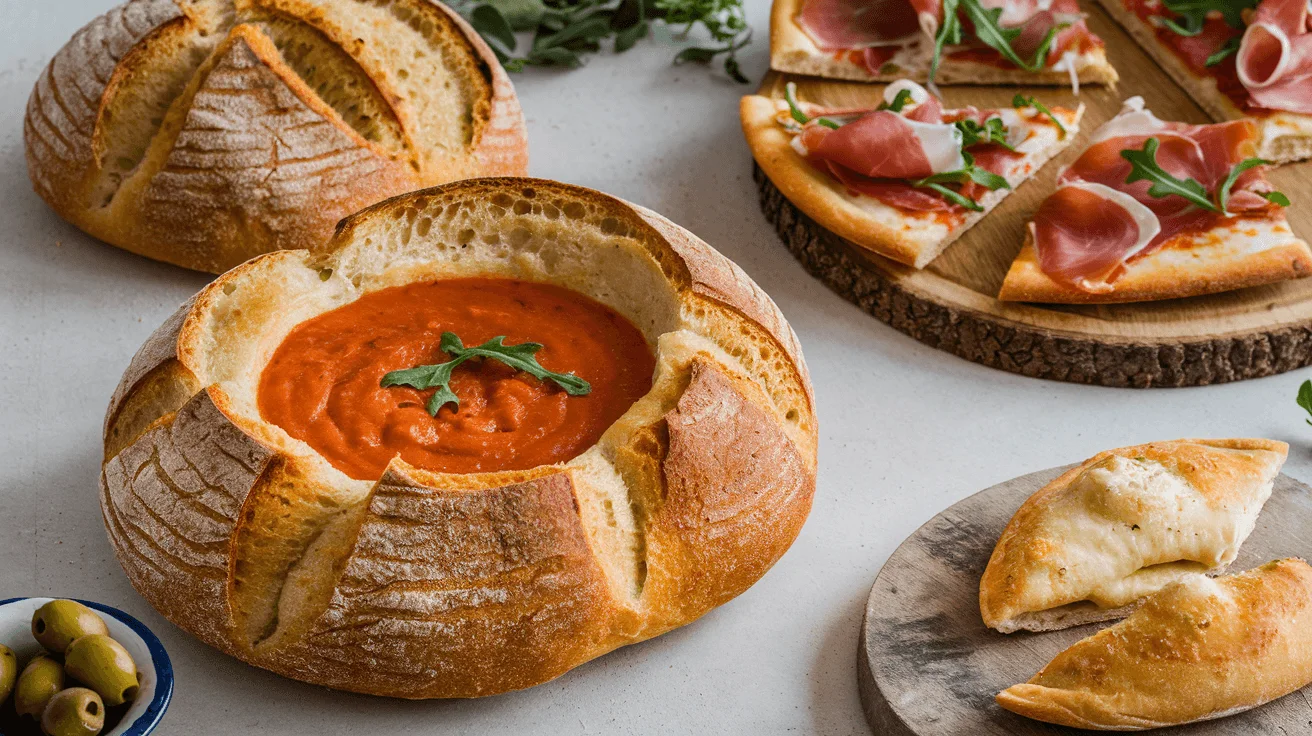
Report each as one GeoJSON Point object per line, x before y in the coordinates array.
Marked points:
{"type": "Point", "coordinates": [927, 666]}
{"type": "Point", "coordinates": [951, 303]}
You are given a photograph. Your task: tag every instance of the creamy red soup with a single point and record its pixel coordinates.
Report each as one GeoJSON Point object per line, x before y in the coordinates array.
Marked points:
{"type": "Point", "coordinates": [323, 384]}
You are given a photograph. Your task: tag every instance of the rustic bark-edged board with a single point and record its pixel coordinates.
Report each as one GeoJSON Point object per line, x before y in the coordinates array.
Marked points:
{"type": "Point", "coordinates": [927, 666]}
{"type": "Point", "coordinates": [951, 304]}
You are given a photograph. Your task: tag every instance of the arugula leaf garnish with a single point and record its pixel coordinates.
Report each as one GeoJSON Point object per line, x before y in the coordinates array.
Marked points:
{"type": "Point", "coordinates": [1023, 101]}
{"type": "Point", "coordinates": [1144, 167]}
{"type": "Point", "coordinates": [1230, 48]}
{"type": "Point", "coordinates": [1305, 398]}
{"type": "Point", "coordinates": [992, 131]}
{"type": "Point", "coordinates": [970, 173]}
{"type": "Point", "coordinates": [991, 33]}
{"type": "Point", "coordinates": [900, 101]}
{"type": "Point", "coordinates": [1193, 14]}
{"type": "Point", "coordinates": [564, 31]}
{"type": "Point", "coordinates": [438, 375]}
{"type": "Point", "coordinates": [795, 110]}
{"type": "Point", "coordinates": [948, 34]}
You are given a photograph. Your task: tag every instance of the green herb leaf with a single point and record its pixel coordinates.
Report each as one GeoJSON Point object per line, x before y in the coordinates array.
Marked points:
{"type": "Point", "coordinates": [1230, 48]}
{"type": "Point", "coordinates": [1193, 14]}
{"type": "Point", "coordinates": [1144, 167]}
{"type": "Point", "coordinates": [992, 34]}
{"type": "Point", "coordinates": [948, 34]}
{"type": "Point", "coordinates": [1275, 198]}
{"type": "Point", "coordinates": [521, 357]}
{"type": "Point", "coordinates": [1023, 101]}
{"type": "Point", "coordinates": [522, 15]}
{"type": "Point", "coordinates": [625, 39]}
{"type": "Point", "coordinates": [790, 96]}
{"type": "Point", "coordinates": [1223, 194]}
{"type": "Point", "coordinates": [954, 196]}
{"type": "Point", "coordinates": [1305, 398]}
{"type": "Point", "coordinates": [992, 131]}
{"type": "Point", "coordinates": [490, 23]}
{"type": "Point", "coordinates": [695, 54]}
{"type": "Point", "coordinates": [900, 101]}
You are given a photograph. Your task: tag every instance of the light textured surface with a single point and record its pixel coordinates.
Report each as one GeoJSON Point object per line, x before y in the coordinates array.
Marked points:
{"type": "Point", "coordinates": [905, 430]}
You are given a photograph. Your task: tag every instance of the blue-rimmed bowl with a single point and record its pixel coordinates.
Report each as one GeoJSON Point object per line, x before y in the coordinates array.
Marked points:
{"type": "Point", "coordinates": [145, 648]}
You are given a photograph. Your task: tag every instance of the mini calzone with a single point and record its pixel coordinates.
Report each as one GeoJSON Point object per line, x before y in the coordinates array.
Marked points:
{"type": "Point", "coordinates": [1126, 523]}
{"type": "Point", "coordinates": [1200, 649]}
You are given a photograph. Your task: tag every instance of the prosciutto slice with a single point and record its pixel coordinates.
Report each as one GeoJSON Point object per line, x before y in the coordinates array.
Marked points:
{"type": "Point", "coordinates": [886, 145]}
{"type": "Point", "coordinates": [1275, 56]}
{"type": "Point", "coordinates": [1086, 231]}
{"type": "Point", "coordinates": [835, 25]}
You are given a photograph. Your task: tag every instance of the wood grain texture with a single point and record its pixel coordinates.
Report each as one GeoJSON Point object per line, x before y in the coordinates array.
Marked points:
{"type": "Point", "coordinates": [951, 303]}
{"type": "Point", "coordinates": [927, 666]}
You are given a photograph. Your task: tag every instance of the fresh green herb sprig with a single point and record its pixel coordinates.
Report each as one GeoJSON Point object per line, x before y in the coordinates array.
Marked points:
{"type": "Point", "coordinates": [993, 131]}
{"type": "Point", "coordinates": [969, 173]}
{"type": "Point", "coordinates": [795, 110]}
{"type": "Point", "coordinates": [1305, 398]}
{"type": "Point", "coordinates": [1144, 167]}
{"type": "Point", "coordinates": [1023, 101]}
{"type": "Point", "coordinates": [438, 375]}
{"type": "Point", "coordinates": [1193, 14]}
{"type": "Point", "coordinates": [900, 101]}
{"type": "Point", "coordinates": [564, 31]}
{"type": "Point", "coordinates": [989, 32]}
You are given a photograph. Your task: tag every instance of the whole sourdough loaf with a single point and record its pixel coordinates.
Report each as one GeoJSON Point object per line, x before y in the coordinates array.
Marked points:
{"type": "Point", "coordinates": [424, 585]}
{"type": "Point", "coordinates": [206, 132]}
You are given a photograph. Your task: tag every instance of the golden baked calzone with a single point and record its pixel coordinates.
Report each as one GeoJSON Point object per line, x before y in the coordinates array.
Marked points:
{"type": "Point", "coordinates": [1200, 649]}
{"type": "Point", "coordinates": [1124, 524]}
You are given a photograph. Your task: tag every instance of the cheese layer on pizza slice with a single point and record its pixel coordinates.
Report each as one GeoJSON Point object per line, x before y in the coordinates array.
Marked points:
{"type": "Point", "coordinates": [952, 42]}
{"type": "Point", "coordinates": [1237, 58]}
{"type": "Point", "coordinates": [1158, 210]}
{"type": "Point", "coordinates": [904, 179]}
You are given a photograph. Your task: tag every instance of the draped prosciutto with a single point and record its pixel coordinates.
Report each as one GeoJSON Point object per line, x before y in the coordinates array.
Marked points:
{"type": "Point", "coordinates": [875, 25]}
{"type": "Point", "coordinates": [1095, 222]}
{"type": "Point", "coordinates": [1275, 57]}
{"type": "Point", "coordinates": [879, 153]}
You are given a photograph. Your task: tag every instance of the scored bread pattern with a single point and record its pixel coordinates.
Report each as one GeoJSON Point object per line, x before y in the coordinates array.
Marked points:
{"type": "Point", "coordinates": [430, 585]}
{"type": "Point", "coordinates": [145, 128]}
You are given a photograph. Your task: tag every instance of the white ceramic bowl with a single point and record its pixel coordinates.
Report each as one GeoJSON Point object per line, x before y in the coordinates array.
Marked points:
{"type": "Point", "coordinates": [145, 648]}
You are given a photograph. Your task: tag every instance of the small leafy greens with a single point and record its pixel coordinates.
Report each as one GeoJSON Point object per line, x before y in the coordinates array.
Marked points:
{"type": "Point", "coordinates": [900, 101]}
{"type": "Point", "coordinates": [1144, 167]}
{"type": "Point", "coordinates": [1193, 14]}
{"type": "Point", "coordinates": [1305, 398]}
{"type": "Point", "coordinates": [795, 110]}
{"type": "Point", "coordinates": [566, 30]}
{"type": "Point", "coordinates": [992, 131]}
{"type": "Point", "coordinates": [438, 375]}
{"type": "Point", "coordinates": [1023, 101]}
{"type": "Point", "coordinates": [970, 173]}
{"type": "Point", "coordinates": [989, 32]}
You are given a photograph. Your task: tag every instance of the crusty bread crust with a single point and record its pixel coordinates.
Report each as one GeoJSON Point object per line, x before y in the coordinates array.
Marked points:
{"type": "Point", "coordinates": [425, 585]}
{"type": "Point", "coordinates": [1215, 266]}
{"type": "Point", "coordinates": [791, 50]}
{"type": "Point", "coordinates": [1033, 577]}
{"type": "Point", "coordinates": [1198, 650]}
{"type": "Point", "coordinates": [906, 238]}
{"type": "Point", "coordinates": [1286, 136]}
{"type": "Point", "coordinates": [189, 134]}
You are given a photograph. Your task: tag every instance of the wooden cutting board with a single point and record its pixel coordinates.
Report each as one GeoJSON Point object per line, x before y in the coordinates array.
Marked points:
{"type": "Point", "coordinates": [950, 304]}
{"type": "Point", "coordinates": [927, 666]}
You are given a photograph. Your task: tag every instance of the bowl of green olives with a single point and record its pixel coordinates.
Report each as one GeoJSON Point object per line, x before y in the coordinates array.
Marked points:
{"type": "Point", "coordinates": [78, 668]}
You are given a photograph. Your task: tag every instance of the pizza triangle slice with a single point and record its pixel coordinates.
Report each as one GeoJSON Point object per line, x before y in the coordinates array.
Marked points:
{"type": "Point", "coordinates": [943, 41]}
{"type": "Point", "coordinates": [907, 178]}
{"type": "Point", "coordinates": [1158, 210]}
{"type": "Point", "coordinates": [1249, 58]}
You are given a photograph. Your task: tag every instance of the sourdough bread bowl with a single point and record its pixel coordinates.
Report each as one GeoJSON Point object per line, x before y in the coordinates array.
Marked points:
{"type": "Point", "coordinates": [426, 584]}
{"type": "Point", "coordinates": [206, 132]}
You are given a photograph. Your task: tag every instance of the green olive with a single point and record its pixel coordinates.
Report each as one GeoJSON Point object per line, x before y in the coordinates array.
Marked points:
{"type": "Point", "coordinates": [56, 624]}
{"type": "Point", "coordinates": [8, 672]}
{"type": "Point", "coordinates": [40, 680]}
{"type": "Point", "coordinates": [103, 665]}
{"type": "Point", "coordinates": [76, 711]}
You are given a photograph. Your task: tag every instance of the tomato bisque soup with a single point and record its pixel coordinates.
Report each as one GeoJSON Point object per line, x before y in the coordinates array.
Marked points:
{"type": "Point", "coordinates": [323, 383]}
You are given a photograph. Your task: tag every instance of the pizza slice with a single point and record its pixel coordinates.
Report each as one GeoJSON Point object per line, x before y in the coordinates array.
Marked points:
{"type": "Point", "coordinates": [943, 41]}
{"type": "Point", "coordinates": [1157, 210]}
{"type": "Point", "coordinates": [907, 178]}
{"type": "Point", "coordinates": [1237, 58]}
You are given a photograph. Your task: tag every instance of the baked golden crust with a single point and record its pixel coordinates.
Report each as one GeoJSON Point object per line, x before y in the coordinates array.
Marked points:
{"type": "Point", "coordinates": [913, 239]}
{"type": "Point", "coordinates": [1201, 649]}
{"type": "Point", "coordinates": [791, 50]}
{"type": "Point", "coordinates": [1218, 262]}
{"type": "Point", "coordinates": [1285, 136]}
{"type": "Point", "coordinates": [424, 584]}
{"type": "Point", "coordinates": [203, 133]}
{"type": "Point", "coordinates": [1102, 535]}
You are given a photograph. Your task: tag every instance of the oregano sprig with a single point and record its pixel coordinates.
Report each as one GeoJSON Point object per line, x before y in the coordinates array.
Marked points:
{"type": "Point", "coordinates": [438, 375]}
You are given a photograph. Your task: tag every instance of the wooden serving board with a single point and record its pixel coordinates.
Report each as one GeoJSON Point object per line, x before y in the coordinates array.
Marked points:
{"type": "Point", "coordinates": [927, 666]}
{"type": "Point", "coordinates": [950, 304]}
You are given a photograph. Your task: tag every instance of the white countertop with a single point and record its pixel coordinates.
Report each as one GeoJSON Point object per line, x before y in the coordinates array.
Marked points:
{"type": "Point", "coordinates": [906, 430]}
